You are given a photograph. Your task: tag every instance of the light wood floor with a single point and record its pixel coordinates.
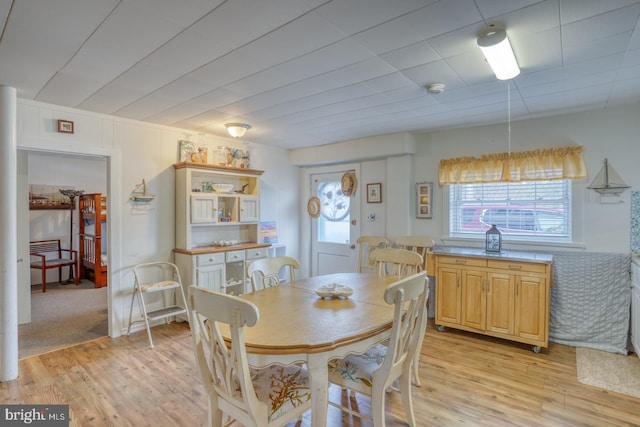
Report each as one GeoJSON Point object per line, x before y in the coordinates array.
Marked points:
{"type": "Point", "coordinates": [466, 380]}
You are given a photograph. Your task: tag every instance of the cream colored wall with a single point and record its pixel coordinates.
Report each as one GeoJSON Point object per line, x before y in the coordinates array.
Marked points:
{"type": "Point", "coordinates": [133, 151]}
{"type": "Point", "coordinates": [611, 133]}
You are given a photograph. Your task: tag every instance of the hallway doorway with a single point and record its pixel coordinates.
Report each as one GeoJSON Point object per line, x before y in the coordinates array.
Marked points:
{"type": "Point", "coordinates": [65, 314]}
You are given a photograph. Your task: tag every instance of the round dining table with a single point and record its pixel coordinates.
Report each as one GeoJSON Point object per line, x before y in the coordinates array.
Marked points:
{"type": "Point", "coordinates": [297, 325]}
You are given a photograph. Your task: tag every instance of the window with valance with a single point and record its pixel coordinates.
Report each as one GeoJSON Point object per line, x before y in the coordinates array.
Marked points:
{"type": "Point", "coordinates": [537, 165]}
{"type": "Point", "coordinates": [527, 195]}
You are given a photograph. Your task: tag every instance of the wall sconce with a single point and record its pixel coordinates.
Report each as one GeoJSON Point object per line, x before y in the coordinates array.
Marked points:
{"type": "Point", "coordinates": [237, 130]}
{"type": "Point", "coordinates": [497, 51]}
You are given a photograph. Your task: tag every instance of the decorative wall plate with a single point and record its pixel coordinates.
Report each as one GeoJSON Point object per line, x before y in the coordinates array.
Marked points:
{"type": "Point", "coordinates": [313, 207]}
{"type": "Point", "coordinates": [349, 184]}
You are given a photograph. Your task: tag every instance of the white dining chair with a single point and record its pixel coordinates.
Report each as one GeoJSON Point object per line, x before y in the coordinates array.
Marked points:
{"type": "Point", "coordinates": [268, 397]}
{"type": "Point", "coordinates": [398, 262]}
{"type": "Point", "coordinates": [366, 245]}
{"type": "Point", "coordinates": [374, 372]}
{"type": "Point", "coordinates": [420, 244]}
{"type": "Point", "coordinates": [271, 271]}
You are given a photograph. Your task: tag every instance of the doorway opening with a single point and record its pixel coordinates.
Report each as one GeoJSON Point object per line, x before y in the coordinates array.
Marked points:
{"type": "Point", "coordinates": [65, 314]}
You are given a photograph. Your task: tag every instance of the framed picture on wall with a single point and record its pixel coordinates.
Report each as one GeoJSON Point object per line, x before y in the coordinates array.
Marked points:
{"type": "Point", "coordinates": [65, 126]}
{"type": "Point", "coordinates": [424, 200]}
{"type": "Point", "coordinates": [374, 193]}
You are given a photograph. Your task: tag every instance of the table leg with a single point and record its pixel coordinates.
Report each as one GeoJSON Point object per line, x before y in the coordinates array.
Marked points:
{"type": "Point", "coordinates": [319, 385]}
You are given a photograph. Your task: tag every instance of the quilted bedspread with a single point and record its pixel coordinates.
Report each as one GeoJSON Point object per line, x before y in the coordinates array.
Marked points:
{"type": "Point", "coordinates": [590, 300]}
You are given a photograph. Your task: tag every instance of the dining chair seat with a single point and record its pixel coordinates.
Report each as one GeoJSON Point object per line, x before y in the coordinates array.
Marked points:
{"type": "Point", "coordinates": [281, 388]}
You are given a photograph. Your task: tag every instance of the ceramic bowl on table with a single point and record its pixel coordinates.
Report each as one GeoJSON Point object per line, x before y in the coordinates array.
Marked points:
{"type": "Point", "coordinates": [334, 290]}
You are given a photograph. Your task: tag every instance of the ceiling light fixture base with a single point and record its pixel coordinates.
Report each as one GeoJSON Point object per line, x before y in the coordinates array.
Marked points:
{"type": "Point", "coordinates": [237, 130]}
{"type": "Point", "coordinates": [497, 50]}
{"type": "Point", "coordinates": [435, 88]}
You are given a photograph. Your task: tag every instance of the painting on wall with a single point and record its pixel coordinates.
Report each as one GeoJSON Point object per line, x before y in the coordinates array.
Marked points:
{"type": "Point", "coordinates": [424, 206]}
{"type": "Point", "coordinates": [44, 196]}
{"type": "Point", "coordinates": [268, 232]}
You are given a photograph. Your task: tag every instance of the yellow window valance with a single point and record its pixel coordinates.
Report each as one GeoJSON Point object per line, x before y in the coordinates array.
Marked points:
{"type": "Point", "coordinates": [538, 165]}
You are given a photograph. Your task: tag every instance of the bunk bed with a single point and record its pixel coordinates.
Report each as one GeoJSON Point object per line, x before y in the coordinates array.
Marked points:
{"type": "Point", "coordinates": [93, 243]}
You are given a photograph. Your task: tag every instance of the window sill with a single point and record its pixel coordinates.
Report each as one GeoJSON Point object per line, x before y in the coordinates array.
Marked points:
{"type": "Point", "coordinates": [512, 244]}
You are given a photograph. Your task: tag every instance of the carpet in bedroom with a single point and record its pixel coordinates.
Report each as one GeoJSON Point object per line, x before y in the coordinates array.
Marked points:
{"type": "Point", "coordinates": [64, 315]}
{"type": "Point", "coordinates": [610, 371]}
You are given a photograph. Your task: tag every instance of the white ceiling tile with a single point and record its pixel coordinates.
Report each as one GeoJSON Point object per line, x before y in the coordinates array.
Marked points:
{"type": "Point", "coordinates": [353, 16]}
{"type": "Point", "coordinates": [493, 8]}
{"type": "Point", "coordinates": [533, 19]}
{"type": "Point", "coordinates": [437, 71]}
{"type": "Point", "coordinates": [572, 11]}
{"type": "Point", "coordinates": [39, 41]}
{"type": "Point", "coordinates": [327, 66]}
{"type": "Point", "coordinates": [388, 37]}
{"type": "Point", "coordinates": [444, 17]}
{"type": "Point", "coordinates": [602, 26]}
{"type": "Point", "coordinates": [411, 56]}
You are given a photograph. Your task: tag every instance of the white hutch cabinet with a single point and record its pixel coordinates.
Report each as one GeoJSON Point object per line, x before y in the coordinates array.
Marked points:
{"type": "Point", "coordinates": [217, 233]}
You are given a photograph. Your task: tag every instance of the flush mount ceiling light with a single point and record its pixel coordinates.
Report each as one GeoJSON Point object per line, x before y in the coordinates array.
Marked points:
{"type": "Point", "coordinates": [435, 88]}
{"type": "Point", "coordinates": [237, 130]}
{"type": "Point", "coordinates": [497, 50]}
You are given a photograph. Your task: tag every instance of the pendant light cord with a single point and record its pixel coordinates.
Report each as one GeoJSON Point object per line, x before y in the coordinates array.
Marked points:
{"type": "Point", "coordinates": [509, 116]}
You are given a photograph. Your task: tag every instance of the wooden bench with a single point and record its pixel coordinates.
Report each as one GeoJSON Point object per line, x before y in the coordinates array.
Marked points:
{"type": "Point", "coordinates": [47, 254]}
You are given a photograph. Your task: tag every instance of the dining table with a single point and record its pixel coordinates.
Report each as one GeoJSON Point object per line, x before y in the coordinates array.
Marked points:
{"type": "Point", "coordinates": [297, 325]}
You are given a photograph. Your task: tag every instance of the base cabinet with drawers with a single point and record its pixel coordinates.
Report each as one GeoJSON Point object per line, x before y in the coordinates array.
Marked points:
{"type": "Point", "coordinates": [220, 271]}
{"type": "Point", "coordinates": [217, 232]}
{"type": "Point", "coordinates": [495, 295]}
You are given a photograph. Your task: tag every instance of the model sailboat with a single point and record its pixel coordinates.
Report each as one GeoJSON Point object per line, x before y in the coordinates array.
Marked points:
{"type": "Point", "coordinates": [608, 181]}
{"type": "Point", "coordinates": [141, 196]}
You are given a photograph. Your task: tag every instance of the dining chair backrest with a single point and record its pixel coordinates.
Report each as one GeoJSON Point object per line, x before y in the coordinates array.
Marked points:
{"type": "Point", "coordinates": [271, 271]}
{"type": "Point", "coordinates": [224, 366]}
{"type": "Point", "coordinates": [419, 244]}
{"type": "Point", "coordinates": [385, 367]}
{"type": "Point", "coordinates": [398, 262]}
{"type": "Point", "coordinates": [366, 245]}
{"type": "Point", "coordinates": [409, 322]}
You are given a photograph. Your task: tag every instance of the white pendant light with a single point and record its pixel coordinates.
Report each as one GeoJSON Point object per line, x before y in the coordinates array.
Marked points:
{"type": "Point", "coordinates": [237, 130]}
{"type": "Point", "coordinates": [497, 50]}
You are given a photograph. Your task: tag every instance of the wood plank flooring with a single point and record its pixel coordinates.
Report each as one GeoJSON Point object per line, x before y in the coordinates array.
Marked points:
{"type": "Point", "coordinates": [467, 380]}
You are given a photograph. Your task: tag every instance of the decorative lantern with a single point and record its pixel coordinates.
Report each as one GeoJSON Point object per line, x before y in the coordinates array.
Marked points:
{"type": "Point", "coordinates": [494, 239]}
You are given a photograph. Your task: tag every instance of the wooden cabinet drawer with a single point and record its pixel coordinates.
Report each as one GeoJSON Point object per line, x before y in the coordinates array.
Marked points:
{"type": "Point", "coordinates": [210, 259]}
{"type": "Point", "coordinates": [462, 261]}
{"type": "Point", "coordinates": [529, 267]}
{"type": "Point", "coordinates": [256, 253]}
{"type": "Point", "coordinates": [233, 256]}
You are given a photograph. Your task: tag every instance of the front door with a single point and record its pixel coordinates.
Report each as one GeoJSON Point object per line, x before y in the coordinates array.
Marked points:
{"type": "Point", "coordinates": [335, 231]}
